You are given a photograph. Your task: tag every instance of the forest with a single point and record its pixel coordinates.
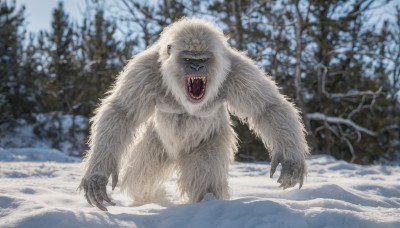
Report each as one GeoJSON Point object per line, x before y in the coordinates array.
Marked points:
{"type": "Point", "coordinates": [339, 61]}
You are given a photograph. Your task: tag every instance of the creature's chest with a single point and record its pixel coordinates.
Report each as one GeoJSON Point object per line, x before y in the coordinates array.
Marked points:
{"type": "Point", "coordinates": [180, 133]}
{"type": "Point", "coordinates": [167, 104]}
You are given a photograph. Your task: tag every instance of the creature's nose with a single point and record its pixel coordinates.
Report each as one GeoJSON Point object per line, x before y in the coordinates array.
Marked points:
{"type": "Point", "coordinates": [196, 67]}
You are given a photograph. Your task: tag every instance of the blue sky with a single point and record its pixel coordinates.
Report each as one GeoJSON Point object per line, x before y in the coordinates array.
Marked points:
{"type": "Point", "coordinates": [39, 12]}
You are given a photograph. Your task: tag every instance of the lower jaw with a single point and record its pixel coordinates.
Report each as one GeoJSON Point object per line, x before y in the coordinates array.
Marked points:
{"type": "Point", "coordinates": [194, 100]}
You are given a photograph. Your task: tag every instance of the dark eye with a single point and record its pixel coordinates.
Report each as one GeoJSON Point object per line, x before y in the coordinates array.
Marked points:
{"type": "Point", "coordinates": [201, 60]}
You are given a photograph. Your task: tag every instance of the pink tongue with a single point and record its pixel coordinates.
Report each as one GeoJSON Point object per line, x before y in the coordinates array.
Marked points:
{"type": "Point", "coordinates": [197, 85]}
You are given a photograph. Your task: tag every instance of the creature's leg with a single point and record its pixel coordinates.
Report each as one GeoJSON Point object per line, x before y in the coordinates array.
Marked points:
{"type": "Point", "coordinates": [146, 170]}
{"type": "Point", "coordinates": [204, 169]}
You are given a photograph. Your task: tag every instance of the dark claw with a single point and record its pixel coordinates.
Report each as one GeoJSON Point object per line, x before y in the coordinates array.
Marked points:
{"type": "Point", "coordinates": [291, 174]}
{"type": "Point", "coordinates": [85, 187]}
{"type": "Point", "coordinates": [274, 164]}
{"type": "Point", "coordinates": [98, 199]}
{"type": "Point", "coordinates": [103, 193]}
{"type": "Point", "coordinates": [301, 181]}
{"type": "Point", "coordinates": [280, 179]}
{"type": "Point", "coordinates": [114, 180]}
{"type": "Point", "coordinates": [88, 200]}
{"type": "Point", "coordinates": [273, 168]}
{"type": "Point", "coordinates": [91, 198]}
{"type": "Point", "coordinates": [96, 191]}
{"type": "Point", "coordinates": [101, 207]}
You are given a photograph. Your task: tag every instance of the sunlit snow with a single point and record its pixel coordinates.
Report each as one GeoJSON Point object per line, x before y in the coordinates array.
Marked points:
{"type": "Point", "coordinates": [39, 193]}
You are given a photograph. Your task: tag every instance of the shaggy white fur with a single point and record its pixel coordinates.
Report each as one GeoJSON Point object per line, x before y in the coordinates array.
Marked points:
{"type": "Point", "coordinates": [147, 126]}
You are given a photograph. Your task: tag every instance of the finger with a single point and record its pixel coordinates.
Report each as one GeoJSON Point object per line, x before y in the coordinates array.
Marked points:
{"type": "Point", "coordinates": [100, 206]}
{"type": "Point", "coordinates": [290, 184]}
{"type": "Point", "coordinates": [85, 188]}
{"type": "Point", "coordinates": [284, 185]}
{"type": "Point", "coordinates": [114, 180]}
{"type": "Point", "coordinates": [273, 169]}
{"type": "Point", "coordinates": [90, 196]}
{"type": "Point", "coordinates": [287, 183]}
{"type": "Point", "coordinates": [95, 197]}
{"type": "Point", "coordinates": [88, 200]}
{"type": "Point", "coordinates": [280, 180]}
{"type": "Point", "coordinates": [274, 164]}
{"type": "Point", "coordinates": [291, 181]}
{"type": "Point", "coordinates": [301, 181]}
{"type": "Point", "coordinates": [97, 194]}
{"type": "Point", "coordinates": [105, 196]}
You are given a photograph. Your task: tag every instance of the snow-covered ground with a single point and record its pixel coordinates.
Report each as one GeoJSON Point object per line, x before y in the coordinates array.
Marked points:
{"type": "Point", "coordinates": [39, 193]}
{"type": "Point", "coordinates": [66, 133]}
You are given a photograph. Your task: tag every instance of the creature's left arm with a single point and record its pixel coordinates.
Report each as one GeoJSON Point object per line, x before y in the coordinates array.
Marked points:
{"type": "Point", "coordinates": [254, 97]}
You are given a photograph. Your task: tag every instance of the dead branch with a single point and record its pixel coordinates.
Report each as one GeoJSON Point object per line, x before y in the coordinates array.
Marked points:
{"type": "Point", "coordinates": [330, 121]}
{"type": "Point", "coordinates": [368, 53]}
{"type": "Point", "coordinates": [339, 120]}
{"type": "Point", "coordinates": [373, 94]}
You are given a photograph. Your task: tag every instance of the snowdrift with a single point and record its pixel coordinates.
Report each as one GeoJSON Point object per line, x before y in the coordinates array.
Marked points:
{"type": "Point", "coordinates": [39, 189]}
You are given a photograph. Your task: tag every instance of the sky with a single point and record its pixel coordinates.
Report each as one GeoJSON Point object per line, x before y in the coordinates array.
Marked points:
{"type": "Point", "coordinates": [39, 12]}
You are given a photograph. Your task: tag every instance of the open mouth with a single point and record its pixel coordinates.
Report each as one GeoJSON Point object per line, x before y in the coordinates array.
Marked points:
{"type": "Point", "coordinates": [196, 86]}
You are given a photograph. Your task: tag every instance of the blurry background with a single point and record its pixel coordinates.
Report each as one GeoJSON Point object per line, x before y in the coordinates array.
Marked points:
{"type": "Point", "coordinates": [339, 61]}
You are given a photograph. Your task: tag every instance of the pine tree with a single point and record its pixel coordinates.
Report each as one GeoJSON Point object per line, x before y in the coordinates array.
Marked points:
{"type": "Point", "coordinates": [31, 69]}
{"type": "Point", "coordinates": [101, 58]}
{"type": "Point", "coordinates": [63, 66]}
{"type": "Point", "coordinates": [13, 100]}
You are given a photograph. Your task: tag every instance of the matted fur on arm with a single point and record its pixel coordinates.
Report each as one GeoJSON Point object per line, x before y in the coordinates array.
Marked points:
{"type": "Point", "coordinates": [255, 99]}
{"type": "Point", "coordinates": [130, 103]}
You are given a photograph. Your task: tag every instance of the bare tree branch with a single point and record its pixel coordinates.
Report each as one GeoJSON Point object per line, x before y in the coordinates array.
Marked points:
{"type": "Point", "coordinates": [349, 93]}
{"type": "Point", "coordinates": [339, 120]}
{"type": "Point", "coordinates": [369, 53]}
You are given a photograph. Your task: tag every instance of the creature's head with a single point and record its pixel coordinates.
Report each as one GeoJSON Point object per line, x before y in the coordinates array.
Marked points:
{"type": "Point", "coordinates": [194, 62]}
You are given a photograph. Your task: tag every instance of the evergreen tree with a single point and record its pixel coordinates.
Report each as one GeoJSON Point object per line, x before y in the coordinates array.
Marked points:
{"type": "Point", "coordinates": [101, 57]}
{"type": "Point", "coordinates": [31, 69]}
{"type": "Point", "coordinates": [63, 66]}
{"type": "Point", "coordinates": [343, 73]}
{"type": "Point", "coordinates": [13, 93]}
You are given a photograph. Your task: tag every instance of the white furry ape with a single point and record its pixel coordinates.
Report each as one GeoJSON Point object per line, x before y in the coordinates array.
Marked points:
{"type": "Point", "coordinates": [169, 111]}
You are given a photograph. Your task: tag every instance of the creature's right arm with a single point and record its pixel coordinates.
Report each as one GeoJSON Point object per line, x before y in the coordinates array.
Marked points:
{"type": "Point", "coordinates": [129, 103]}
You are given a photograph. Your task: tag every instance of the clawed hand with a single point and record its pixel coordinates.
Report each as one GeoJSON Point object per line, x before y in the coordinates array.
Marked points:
{"type": "Point", "coordinates": [95, 189]}
{"type": "Point", "coordinates": [293, 171]}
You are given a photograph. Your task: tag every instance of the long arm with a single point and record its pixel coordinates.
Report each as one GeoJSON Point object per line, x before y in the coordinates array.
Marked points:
{"type": "Point", "coordinates": [255, 99]}
{"type": "Point", "coordinates": [129, 104]}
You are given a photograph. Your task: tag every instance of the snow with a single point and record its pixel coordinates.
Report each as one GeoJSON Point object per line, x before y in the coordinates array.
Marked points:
{"type": "Point", "coordinates": [34, 154]}
{"type": "Point", "coordinates": [39, 192]}
{"type": "Point", "coordinates": [51, 130]}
